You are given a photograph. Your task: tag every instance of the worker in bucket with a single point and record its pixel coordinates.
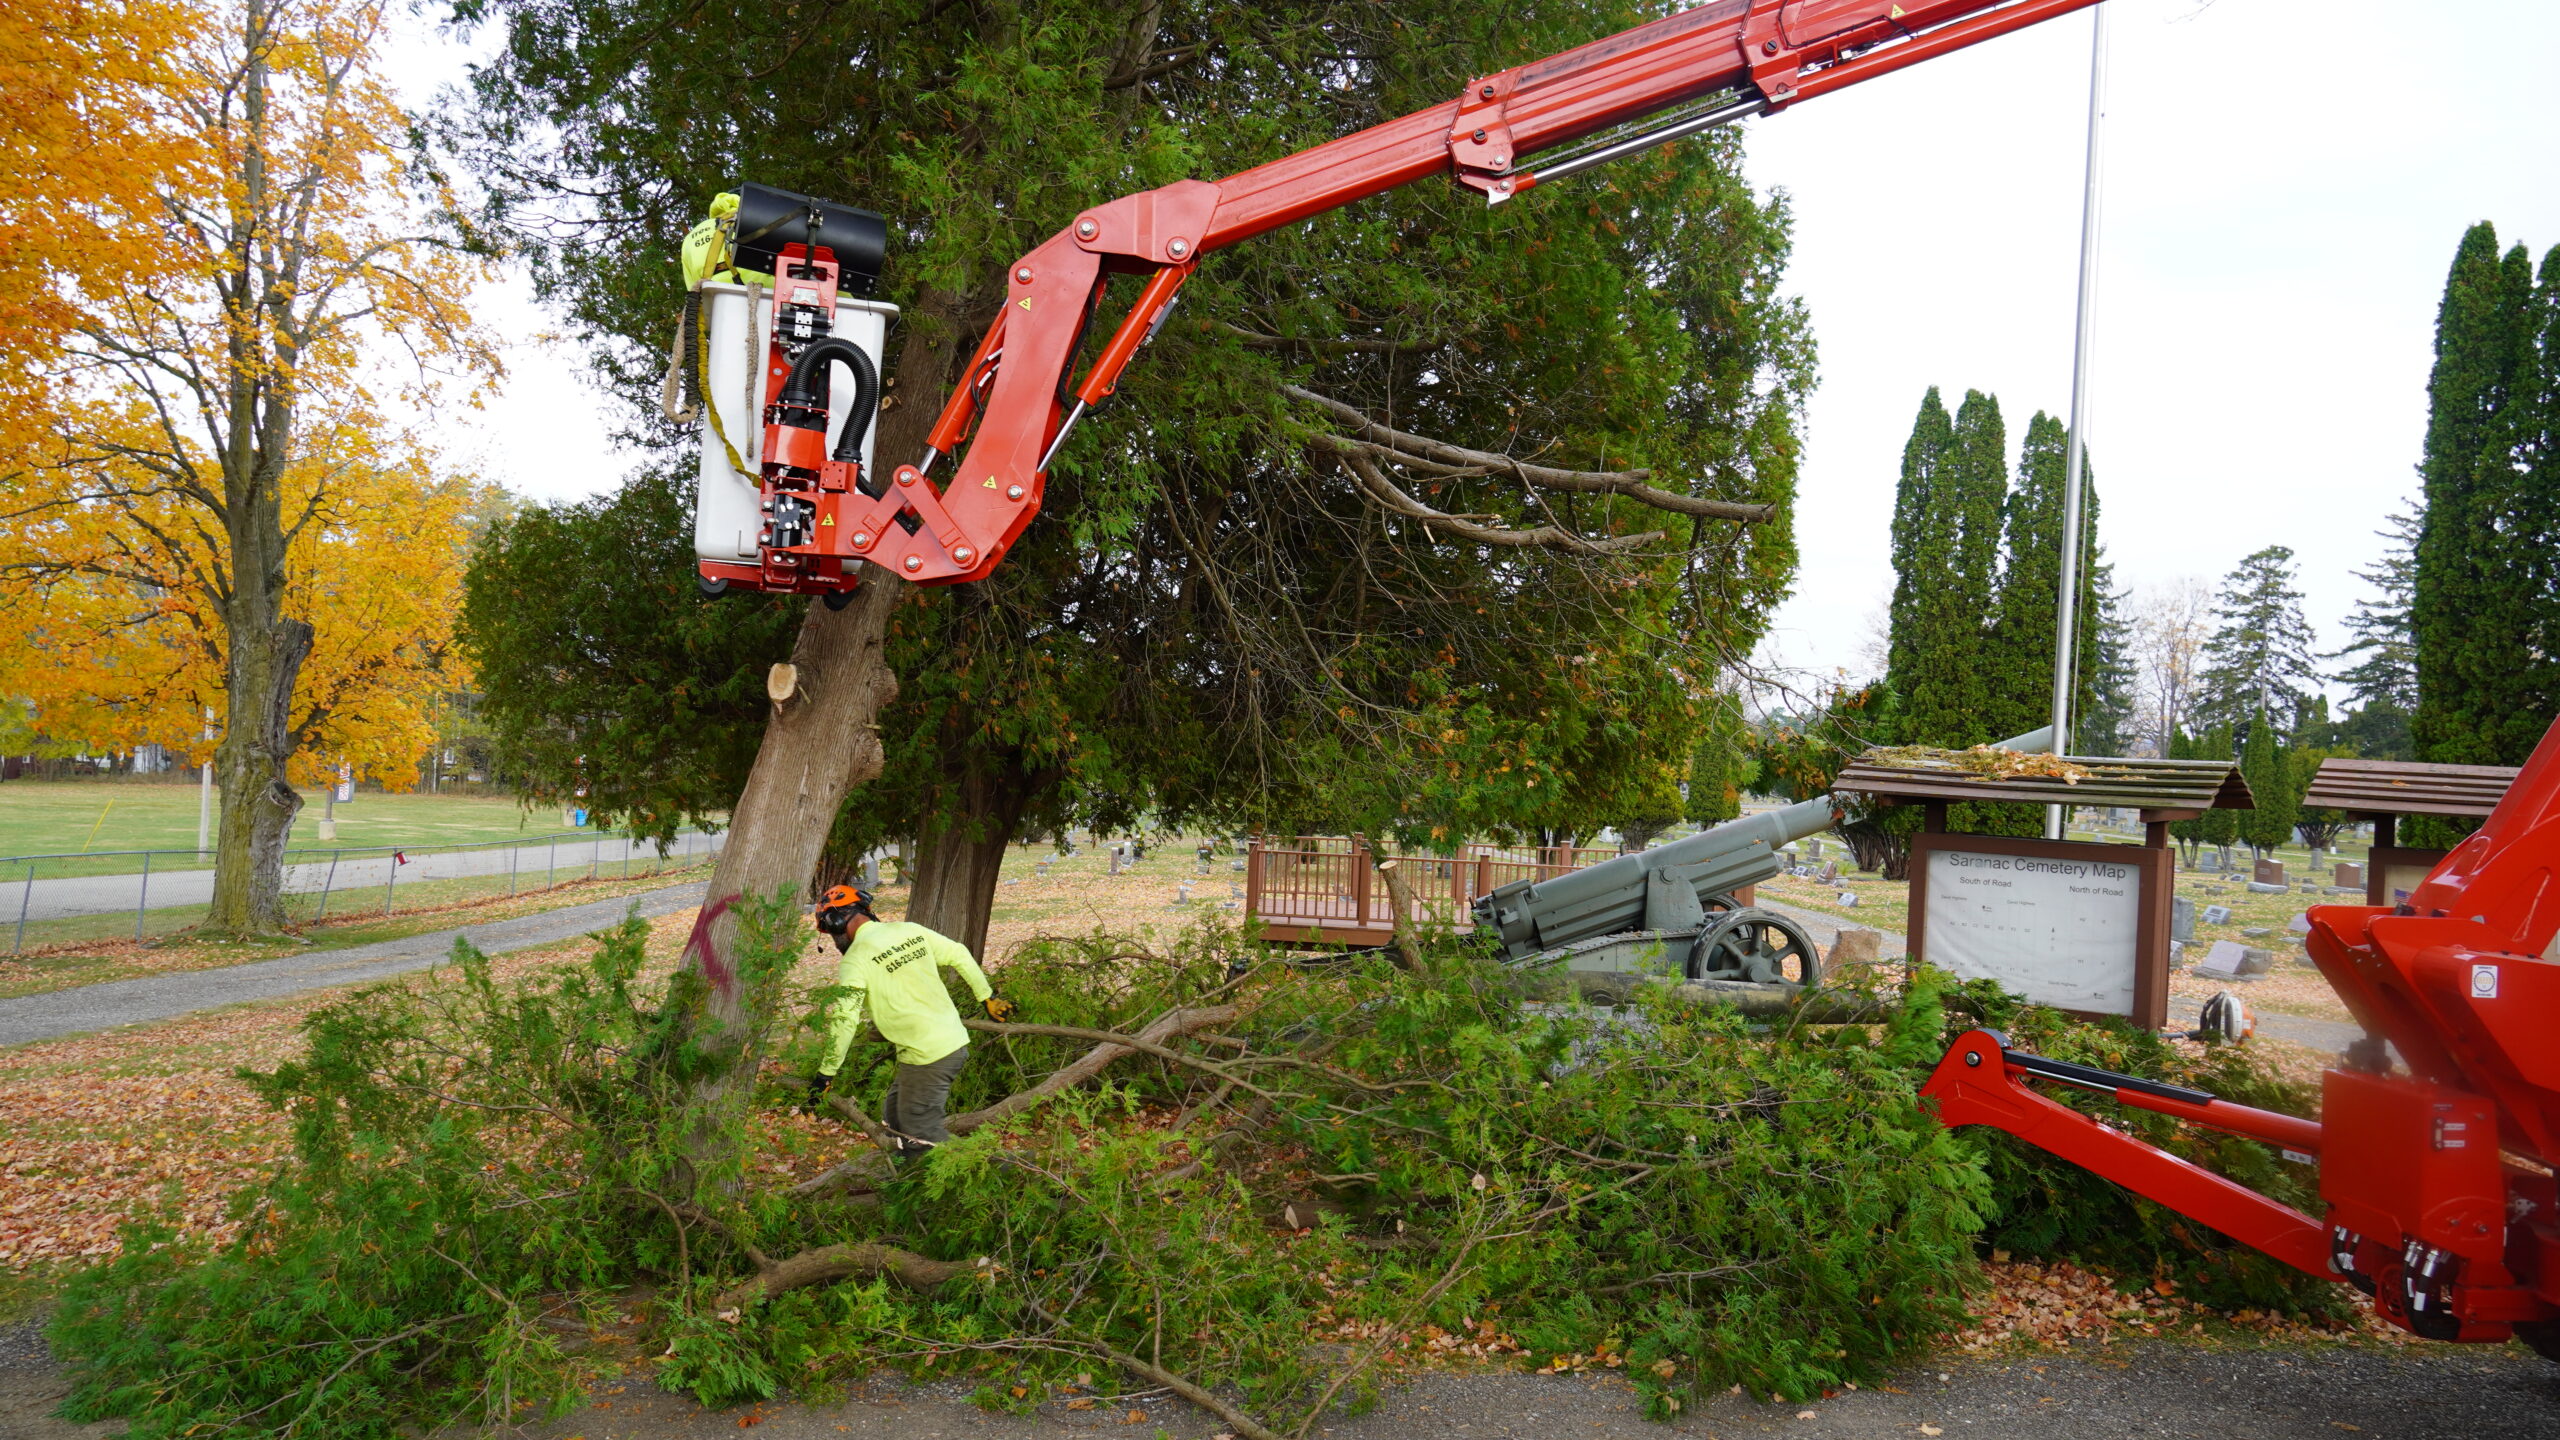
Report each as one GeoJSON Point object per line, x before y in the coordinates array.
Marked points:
{"type": "Point", "coordinates": [891, 973]}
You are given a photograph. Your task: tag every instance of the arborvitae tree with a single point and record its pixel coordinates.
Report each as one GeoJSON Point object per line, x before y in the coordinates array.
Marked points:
{"type": "Point", "coordinates": [2483, 576]}
{"type": "Point", "coordinates": [2269, 771]}
{"type": "Point", "coordinates": [1723, 767]}
{"type": "Point", "coordinates": [2385, 681]}
{"type": "Point", "coordinates": [2259, 659]}
{"type": "Point", "coordinates": [2018, 662]}
{"type": "Point", "coordinates": [1940, 595]}
{"type": "Point", "coordinates": [2218, 828]}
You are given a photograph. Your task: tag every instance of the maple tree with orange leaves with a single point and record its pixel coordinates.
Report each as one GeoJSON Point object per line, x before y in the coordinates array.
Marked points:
{"type": "Point", "coordinates": [215, 508]}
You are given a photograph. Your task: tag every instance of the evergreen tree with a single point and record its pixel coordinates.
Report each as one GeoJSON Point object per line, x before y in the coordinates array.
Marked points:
{"type": "Point", "coordinates": [2217, 828]}
{"type": "Point", "coordinates": [2105, 717]}
{"type": "Point", "coordinates": [1940, 592]}
{"type": "Point", "coordinates": [2019, 659]}
{"type": "Point", "coordinates": [2384, 682]}
{"type": "Point", "coordinates": [2481, 583]}
{"type": "Point", "coordinates": [2259, 659]}
{"type": "Point", "coordinates": [1723, 766]}
{"type": "Point", "coordinates": [2269, 771]}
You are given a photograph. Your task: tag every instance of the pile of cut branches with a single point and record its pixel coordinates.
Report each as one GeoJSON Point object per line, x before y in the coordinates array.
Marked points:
{"type": "Point", "coordinates": [1201, 1167]}
{"type": "Point", "coordinates": [1987, 762]}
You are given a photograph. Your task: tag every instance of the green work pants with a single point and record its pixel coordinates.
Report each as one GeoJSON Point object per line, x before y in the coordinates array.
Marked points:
{"type": "Point", "coordinates": [920, 1093]}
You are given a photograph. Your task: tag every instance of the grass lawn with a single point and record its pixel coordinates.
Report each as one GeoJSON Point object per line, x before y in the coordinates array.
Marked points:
{"type": "Point", "coordinates": [66, 817]}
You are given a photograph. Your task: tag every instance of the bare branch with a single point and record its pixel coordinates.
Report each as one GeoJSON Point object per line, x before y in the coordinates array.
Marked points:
{"type": "Point", "coordinates": [1547, 537]}
{"type": "Point", "coordinates": [1630, 483]}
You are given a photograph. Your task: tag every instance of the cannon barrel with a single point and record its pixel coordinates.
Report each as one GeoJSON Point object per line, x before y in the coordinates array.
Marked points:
{"type": "Point", "coordinates": [1665, 888]}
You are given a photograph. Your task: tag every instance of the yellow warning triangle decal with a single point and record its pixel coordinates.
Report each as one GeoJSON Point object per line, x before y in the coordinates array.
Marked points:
{"type": "Point", "coordinates": [830, 520]}
{"type": "Point", "coordinates": [1897, 12]}
{"type": "Point", "coordinates": [1025, 304]}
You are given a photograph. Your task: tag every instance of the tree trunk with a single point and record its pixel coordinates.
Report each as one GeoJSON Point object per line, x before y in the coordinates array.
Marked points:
{"type": "Point", "coordinates": [959, 861]}
{"type": "Point", "coordinates": [817, 745]}
{"type": "Point", "coordinates": [258, 805]}
{"type": "Point", "coordinates": [1878, 848]}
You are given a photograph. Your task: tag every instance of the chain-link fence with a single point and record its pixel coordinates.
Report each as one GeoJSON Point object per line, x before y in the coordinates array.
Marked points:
{"type": "Point", "coordinates": [49, 900]}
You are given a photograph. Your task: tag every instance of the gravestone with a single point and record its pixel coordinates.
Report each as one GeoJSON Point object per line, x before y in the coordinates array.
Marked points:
{"type": "Point", "coordinates": [1181, 895]}
{"type": "Point", "coordinates": [2269, 872]}
{"type": "Point", "coordinates": [2349, 877]}
{"type": "Point", "coordinates": [2261, 887]}
{"type": "Point", "coordinates": [1813, 848]}
{"type": "Point", "coordinates": [1237, 864]}
{"type": "Point", "coordinates": [2182, 919]}
{"type": "Point", "coordinates": [2210, 862]}
{"type": "Point", "coordinates": [2230, 960]}
{"type": "Point", "coordinates": [1115, 859]}
{"type": "Point", "coordinates": [2299, 924]}
{"type": "Point", "coordinates": [1830, 872]}
{"type": "Point", "coordinates": [1857, 945]}
{"type": "Point", "coordinates": [2217, 914]}
{"type": "Point", "coordinates": [1040, 871]}
{"type": "Point", "coordinates": [1848, 898]}
{"type": "Point", "coordinates": [871, 872]}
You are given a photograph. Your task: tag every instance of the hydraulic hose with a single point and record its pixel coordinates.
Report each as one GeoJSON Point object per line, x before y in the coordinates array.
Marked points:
{"type": "Point", "coordinates": [806, 389]}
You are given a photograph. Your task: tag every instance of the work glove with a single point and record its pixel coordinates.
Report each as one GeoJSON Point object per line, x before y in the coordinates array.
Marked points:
{"type": "Point", "coordinates": [817, 1093]}
{"type": "Point", "coordinates": [999, 1009]}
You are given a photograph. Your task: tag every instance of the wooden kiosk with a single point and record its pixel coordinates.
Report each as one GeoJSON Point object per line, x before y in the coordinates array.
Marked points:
{"type": "Point", "coordinates": [2384, 790]}
{"type": "Point", "coordinates": [2079, 925]}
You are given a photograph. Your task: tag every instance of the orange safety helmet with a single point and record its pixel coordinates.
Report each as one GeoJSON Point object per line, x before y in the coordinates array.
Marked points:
{"type": "Point", "coordinates": [840, 904]}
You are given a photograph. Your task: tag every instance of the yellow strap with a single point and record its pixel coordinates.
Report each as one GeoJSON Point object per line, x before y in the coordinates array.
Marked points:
{"type": "Point", "coordinates": [755, 372]}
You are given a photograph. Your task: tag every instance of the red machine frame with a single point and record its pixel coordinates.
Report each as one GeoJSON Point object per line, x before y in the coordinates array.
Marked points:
{"type": "Point", "coordinates": [2436, 1178]}
{"type": "Point", "coordinates": [1759, 55]}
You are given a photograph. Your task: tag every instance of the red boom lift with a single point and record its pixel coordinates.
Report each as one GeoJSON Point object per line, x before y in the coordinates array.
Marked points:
{"type": "Point", "coordinates": [2439, 1197]}
{"type": "Point", "coordinates": [1707, 66]}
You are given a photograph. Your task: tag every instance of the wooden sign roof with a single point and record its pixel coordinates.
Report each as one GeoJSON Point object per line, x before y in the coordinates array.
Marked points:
{"type": "Point", "coordinates": [1906, 774]}
{"type": "Point", "coordinates": [2406, 787]}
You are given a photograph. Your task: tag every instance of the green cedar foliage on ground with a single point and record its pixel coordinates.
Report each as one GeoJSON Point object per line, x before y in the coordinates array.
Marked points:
{"type": "Point", "coordinates": [478, 1166]}
{"type": "Point", "coordinates": [2484, 607]}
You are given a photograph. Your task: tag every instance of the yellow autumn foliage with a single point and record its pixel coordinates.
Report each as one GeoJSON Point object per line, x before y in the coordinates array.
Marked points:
{"type": "Point", "coordinates": [228, 383]}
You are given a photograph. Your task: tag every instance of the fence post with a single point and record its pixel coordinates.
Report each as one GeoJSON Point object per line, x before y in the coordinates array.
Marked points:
{"type": "Point", "coordinates": [595, 855]}
{"type": "Point", "coordinates": [626, 857]}
{"type": "Point", "coordinates": [392, 882]}
{"type": "Point", "coordinates": [142, 902]}
{"type": "Point", "coordinates": [513, 851]}
{"type": "Point", "coordinates": [325, 882]}
{"type": "Point", "coordinates": [1359, 884]}
{"type": "Point", "coordinates": [1253, 880]}
{"type": "Point", "coordinates": [24, 897]}
{"type": "Point", "coordinates": [551, 862]}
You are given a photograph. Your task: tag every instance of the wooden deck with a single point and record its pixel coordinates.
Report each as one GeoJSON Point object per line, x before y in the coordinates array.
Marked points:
{"type": "Point", "coordinates": [1323, 891]}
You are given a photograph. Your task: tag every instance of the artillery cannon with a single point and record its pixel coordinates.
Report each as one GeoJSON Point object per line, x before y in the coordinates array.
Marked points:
{"type": "Point", "coordinates": [1672, 912]}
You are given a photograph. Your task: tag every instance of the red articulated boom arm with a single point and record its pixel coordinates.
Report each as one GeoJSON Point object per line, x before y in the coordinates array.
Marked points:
{"type": "Point", "coordinates": [1736, 58]}
{"type": "Point", "coordinates": [2435, 1171]}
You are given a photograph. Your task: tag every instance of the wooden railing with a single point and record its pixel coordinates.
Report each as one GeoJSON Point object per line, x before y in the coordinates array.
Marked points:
{"type": "Point", "coordinates": [1318, 888]}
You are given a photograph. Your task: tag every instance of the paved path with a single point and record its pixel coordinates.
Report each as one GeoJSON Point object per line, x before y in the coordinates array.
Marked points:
{"type": "Point", "coordinates": [161, 997]}
{"type": "Point", "coordinates": [352, 881]}
{"type": "Point", "coordinates": [2427, 1392]}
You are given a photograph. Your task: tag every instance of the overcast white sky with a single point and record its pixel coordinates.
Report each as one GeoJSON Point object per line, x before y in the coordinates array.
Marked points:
{"type": "Point", "coordinates": [2285, 183]}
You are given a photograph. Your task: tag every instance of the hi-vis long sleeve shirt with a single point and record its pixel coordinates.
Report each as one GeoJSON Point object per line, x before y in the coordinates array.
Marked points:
{"type": "Point", "coordinates": [894, 972]}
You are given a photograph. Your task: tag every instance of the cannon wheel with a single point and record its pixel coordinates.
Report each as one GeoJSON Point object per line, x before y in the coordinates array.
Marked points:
{"type": "Point", "coordinates": [1749, 944]}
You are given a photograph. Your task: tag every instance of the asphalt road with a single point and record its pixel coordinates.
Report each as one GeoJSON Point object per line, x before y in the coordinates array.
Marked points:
{"type": "Point", "coordinates": [351, 880]}
{"type": "Point", "coordinates": [160, 997]}
{"type": "Point", "coordinates": [2425, 1392]}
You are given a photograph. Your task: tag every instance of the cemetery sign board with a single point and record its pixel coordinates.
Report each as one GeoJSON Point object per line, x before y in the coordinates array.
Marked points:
{"type": "Point", "coordinates": [2078, 926]}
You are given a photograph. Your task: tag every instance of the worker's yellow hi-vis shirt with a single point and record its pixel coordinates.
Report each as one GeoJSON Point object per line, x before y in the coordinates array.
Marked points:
{"type": "Point", "coordinates": [894, 970]}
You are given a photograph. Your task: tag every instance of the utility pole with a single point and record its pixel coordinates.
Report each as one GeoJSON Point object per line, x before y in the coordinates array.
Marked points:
{"type": "Point", "coordinates": [2065, 616]}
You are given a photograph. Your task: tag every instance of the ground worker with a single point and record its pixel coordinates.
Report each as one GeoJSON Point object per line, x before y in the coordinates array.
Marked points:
{"type": "Point", "coordinates": [892, 973]}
